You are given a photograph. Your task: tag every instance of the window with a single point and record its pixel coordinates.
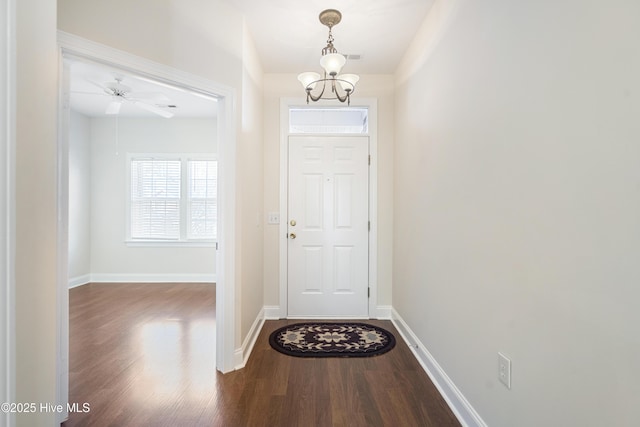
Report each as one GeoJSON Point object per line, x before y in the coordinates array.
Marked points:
{"type": "Point", "coordinates": [328, 120]}
{"type": "Point", "coordinates": [172, 198]}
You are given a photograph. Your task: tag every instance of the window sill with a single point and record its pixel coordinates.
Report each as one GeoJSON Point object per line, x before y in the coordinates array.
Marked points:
{"type": "Point", "coordinates": [171, 244]}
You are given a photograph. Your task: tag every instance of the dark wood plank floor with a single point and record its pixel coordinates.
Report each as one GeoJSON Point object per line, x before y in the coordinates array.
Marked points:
{"type": "Point", "coordinates": [144, 355]}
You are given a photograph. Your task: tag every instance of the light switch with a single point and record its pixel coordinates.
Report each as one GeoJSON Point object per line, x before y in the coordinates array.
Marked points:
{"type": "Point", "coordinates": [273, 218]}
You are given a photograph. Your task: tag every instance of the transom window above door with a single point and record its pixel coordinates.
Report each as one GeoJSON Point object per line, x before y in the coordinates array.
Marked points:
{"type": "Point", "coordinates": [347, 120]}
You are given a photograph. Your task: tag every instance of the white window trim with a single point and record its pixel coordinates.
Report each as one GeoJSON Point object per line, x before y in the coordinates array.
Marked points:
{"type": "Point", "coordinates": [183, 241]}
{"type": "Point", "coordinates": [322, 129]}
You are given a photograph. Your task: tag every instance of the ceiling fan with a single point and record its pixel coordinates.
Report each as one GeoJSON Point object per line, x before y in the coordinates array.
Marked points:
{"type": "Point", "coordinates": [120, 93]}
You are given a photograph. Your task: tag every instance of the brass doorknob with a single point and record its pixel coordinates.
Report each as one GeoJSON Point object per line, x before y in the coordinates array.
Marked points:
{"type": "Point", "coordinates": [292, 235]}
{"type": "Point", "coordinates": [293, 223]}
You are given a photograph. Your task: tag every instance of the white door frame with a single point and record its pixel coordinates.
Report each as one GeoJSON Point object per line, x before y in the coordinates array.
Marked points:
{"type": "Point", "coordinates": [72, 46]}
{"type": "Point", "coordinates": [7, 207]}
{"type": "Point", "coordinates": [372, 105]}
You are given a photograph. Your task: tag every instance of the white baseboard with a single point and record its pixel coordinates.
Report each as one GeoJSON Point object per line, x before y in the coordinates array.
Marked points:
{"type": "Point", "coordinates": [153, 278]}
{"type": "Point", "coordinates": [275, 312]}
{"type": "Point", "coordinates": [460, 406]}
{"type": "Point", "coordinates": [272, 312]}
{"type": "Point", "coordinates": [382, 312]}
{"type": "Point", "coordinates": [328, 318]}
{"type": "Point", "coordinates": [241, 355]}
{"type": "Point", "coordinates": [74, 282]}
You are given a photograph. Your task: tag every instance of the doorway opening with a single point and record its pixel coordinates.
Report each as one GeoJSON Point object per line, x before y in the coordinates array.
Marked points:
{"type": "Point", "coordinates": [75, 49]}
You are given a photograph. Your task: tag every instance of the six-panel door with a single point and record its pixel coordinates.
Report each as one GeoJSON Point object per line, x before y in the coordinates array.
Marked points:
{"type": "Point", "coordinates": [328, 214]}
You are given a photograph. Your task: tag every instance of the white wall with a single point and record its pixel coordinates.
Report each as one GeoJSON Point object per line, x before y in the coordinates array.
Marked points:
{"type": "Point", "coordinates": [176, 33]}
{"type": "Point", "coordinates": [250, 196]}
{"type": "Point", "coordinates": [35, 235]}
{"type": "Point", "coordinates": [278, 86]}
{"type": "Point", "coordinates": [79, 198]}
{"type": "Point", "coordinates": [516, 221]}
{"type": "Point", "coordinates": [111, 258]}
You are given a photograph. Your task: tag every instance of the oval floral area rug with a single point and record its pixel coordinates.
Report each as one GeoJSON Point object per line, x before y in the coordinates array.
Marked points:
{"type": "Point", "coordinates": [322, 339]}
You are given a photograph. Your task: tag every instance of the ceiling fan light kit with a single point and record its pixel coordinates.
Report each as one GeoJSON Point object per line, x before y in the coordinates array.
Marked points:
{"type": "Point", "coordinates": [332, 63]}
{"type": "Point", "coordinates": [113, 108]}
{"type": "Point", "coordinates": [121, 93]}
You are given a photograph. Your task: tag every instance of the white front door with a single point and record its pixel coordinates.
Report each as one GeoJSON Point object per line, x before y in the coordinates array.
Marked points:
{"type": "Point", "coordinates": [328, 226]}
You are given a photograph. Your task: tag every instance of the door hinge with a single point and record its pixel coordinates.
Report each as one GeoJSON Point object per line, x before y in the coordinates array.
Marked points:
{"type": "Point", "coordinates": [368, 292]}
{"type": "Point", "coordinates": [369, 225]}
{"type": "Point", "coordinates": [369, 159]}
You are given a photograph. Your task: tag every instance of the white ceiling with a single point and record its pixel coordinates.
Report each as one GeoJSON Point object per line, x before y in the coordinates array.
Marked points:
{"type": "Point", "coordinates": [288, 37]}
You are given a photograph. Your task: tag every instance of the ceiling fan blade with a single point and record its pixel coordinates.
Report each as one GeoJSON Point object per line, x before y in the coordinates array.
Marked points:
{"type": "Point", "coordinates": [153, 109]}
{"type": "Point", "coordinates": [75, 92]}
{"type": "Point", "coordinates": [98, 85]}
{"type": "Point", "coordinates": [155, 97]}
{"type": "Point", "coordinates": [113, 108]}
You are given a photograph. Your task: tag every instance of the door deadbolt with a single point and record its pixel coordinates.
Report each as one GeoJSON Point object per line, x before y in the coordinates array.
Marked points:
{"type": "Point", "coordinates": [293, 222]}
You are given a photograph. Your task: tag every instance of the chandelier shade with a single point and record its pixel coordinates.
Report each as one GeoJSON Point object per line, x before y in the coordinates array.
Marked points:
{"type": "Point", "coordinates": [331, 62]}
{"type": "Point", "coordinates": [309, 79]}
{"type": "Point", "coordinates": [348, 81]}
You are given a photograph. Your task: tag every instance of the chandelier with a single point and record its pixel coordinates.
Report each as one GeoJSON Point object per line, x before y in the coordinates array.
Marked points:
{"type": "Point", "coordinates": [332, 62]}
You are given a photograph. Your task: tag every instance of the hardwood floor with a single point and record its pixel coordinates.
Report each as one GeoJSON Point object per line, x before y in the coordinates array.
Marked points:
{"type": "Point", "coordinates": [144, 355]}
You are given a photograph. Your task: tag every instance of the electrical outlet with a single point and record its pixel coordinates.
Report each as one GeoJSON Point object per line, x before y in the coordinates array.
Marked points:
{"type": "Point", "coordinates": [504, 370]}
{"type": "Point", "coordinates": [273, 218]}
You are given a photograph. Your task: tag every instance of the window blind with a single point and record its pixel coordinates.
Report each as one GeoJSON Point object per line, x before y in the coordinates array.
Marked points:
{"type": "Point", "coordinates": [155, 199]}
{"type": "Point", "coordinates": [202, 205]}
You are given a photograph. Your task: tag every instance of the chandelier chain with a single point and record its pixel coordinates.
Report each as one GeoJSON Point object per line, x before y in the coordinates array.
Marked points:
{"type": "Point", "coordinates": [329, 48]}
